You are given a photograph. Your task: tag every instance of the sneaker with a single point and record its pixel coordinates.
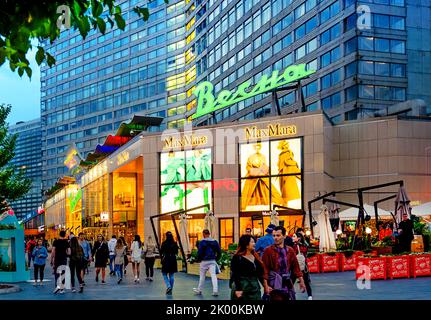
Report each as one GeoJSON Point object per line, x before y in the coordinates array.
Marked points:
{"type": "Point", "coordinates": [103, 282]}
{"type": "Point", "coordinates": [81, 289]}
{"type": "Point", "coordinates": [56, 290]}
{"type": "Point", "coordinates": [83, 283]}
{"type": "Point", "coordinates": [169, 291]}
{"type": "Point", "coordinates": [119, 280]}
{"type": "Point", "coordinates": [97, 278]}
{"type": "Point", "coordinates": [35, 283]}
{"type": "Point", "coordinates": [137, 280]}
{"type": "Point", "coordinates": [73, 290]}
{"type": "Point", "coordinates": [147, 278]}
{"type": "Point", "coordinates": [62, 291]}
{"type": "Point", "coordinates": [310, 298]}
{"type": "Point", "coordinates": [197, 291]}
{"type": "Point", "coordinates": [215, 294]}
{"type": "Point", "coordinates": [151, 278]}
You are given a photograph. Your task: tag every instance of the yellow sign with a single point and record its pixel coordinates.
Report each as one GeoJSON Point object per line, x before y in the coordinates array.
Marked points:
{"type": "Point", "coordinates": [122, 158]}
{"type": "Point", "coordinates": [184, 141]}
{"type": "Point", "coordinates": [272, 131]}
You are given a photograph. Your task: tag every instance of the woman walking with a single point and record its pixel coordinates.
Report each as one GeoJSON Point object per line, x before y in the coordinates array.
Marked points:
{"type": "Point", "coordinates": [247, 271]}
{"type": "Point", "coordinates": [39, 256]}
{"type": "Point", "coordinates": [300, 247]}
{"type": "Point", "coordinates": [168, 252]}
{"type": "Point", "coordinates": [120, 252]}
{"type": "Point", "coordinates": [101, 257]}
{"type": "Point", "coordinates": [136, 252]}
{"type": "Point", "coordinates": [126, 258]}
{"type": "Point", "coordinates": [76, 263]}
{"type": "Point", "coordinates": [150, 257]}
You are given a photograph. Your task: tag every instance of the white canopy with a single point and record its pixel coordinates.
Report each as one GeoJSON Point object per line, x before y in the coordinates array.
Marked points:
{"type": "Point", "coordinates": [422, 210]}
{"type": "Point", "coordinates": [352, 213]}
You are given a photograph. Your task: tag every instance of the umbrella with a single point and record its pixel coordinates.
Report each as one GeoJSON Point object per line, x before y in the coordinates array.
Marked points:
{"type": "Point", "coordinates": [402, 205]}
{"type": "Point", "coordinates": [327, 239]}
{"type": "Point", "coordinates": [274, 218]}
{"type": "Point", "coordinates": [210, 224]}
{"type": "Point", "coordinates": [184, 235]}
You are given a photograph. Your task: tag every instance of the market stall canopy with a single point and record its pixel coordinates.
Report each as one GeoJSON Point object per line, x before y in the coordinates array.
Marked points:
{"type": "Point", "coordinates": [422, 210]}
{"type": "Point", "coordinates": [352, 213]}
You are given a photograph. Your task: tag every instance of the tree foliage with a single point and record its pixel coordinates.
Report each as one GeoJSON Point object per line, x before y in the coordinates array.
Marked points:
{"type": "Point", "coordinates": [13, 183]}
{"type": "Point", "coordinates": [24, 20]}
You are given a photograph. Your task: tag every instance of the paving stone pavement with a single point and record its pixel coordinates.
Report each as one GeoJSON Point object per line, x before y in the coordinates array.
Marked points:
{"type": "Point", "coordinates": [326, 286]}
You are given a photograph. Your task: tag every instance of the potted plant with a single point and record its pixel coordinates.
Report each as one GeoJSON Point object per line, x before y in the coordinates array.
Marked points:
{"type": "Point", "coordinates": [384, 246]}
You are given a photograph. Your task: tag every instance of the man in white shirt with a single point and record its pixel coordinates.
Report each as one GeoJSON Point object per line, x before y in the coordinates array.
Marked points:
{"type": "Point", "coordinates": [111, 245]}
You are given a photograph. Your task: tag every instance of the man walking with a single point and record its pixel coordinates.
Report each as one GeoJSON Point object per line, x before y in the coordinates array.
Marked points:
{"type": "Point", "coordinates": [31, 244]}
{"type": "Point", "coordinates": [87, 254]}
{"type": "Point", "coordinates": [280, 265]}
{"type": "Point", "coordinates": [208, 253]}
{"type": "Point", "coordinates": [265, 241]}
{"type": "Point", "coordinates": [111, 246]}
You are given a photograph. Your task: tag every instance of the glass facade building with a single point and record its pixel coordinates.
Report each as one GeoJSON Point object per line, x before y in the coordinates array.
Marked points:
{"type": "Point", "coordinates": [367, 55]}
{"type": "Point", "coordinates": [28, 155]}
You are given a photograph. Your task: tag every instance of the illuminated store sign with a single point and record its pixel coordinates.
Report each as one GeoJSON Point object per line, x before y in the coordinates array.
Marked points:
{"type": "Point", "coordinates": [73, 157]}
{"type": "Point", "coordinates": [74, 197]}
{"type": "Point", "coordinates": [272, 131]}
{"type": "Point", "coordinates": [185, 141]}
{"type": "Point", "coordinates": [122, 158]}
{"type": "Point", "coordinates": [104, 216]}
{"type": "Point", "coordinates": [207, 103]}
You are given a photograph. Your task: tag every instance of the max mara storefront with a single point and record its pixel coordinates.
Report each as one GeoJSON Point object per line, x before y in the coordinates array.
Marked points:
{"type": "Point", "coordinates": [242, 171]}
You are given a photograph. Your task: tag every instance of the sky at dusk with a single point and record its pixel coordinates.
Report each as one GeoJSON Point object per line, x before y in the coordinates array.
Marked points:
{"type": "Point", "coordinates": [22, 93]}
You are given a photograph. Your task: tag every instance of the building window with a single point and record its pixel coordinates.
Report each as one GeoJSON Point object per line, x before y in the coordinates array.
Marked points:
{"type": "Point", "coordinates": [226, 227]}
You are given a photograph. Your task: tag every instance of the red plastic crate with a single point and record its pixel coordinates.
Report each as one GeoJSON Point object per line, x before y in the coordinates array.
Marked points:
{"type": "Point", "coordinates": [398, 267]}
{"type": "Point", "coordinates": [378, 269]}
{"type": "Point", "coordinates": [329, 263]}
{"type": "Point", "coordinates": [420, 265]}
{"type": "Point", "coordinates": [349, 263]}
{"type": "Point", "coordinates": [313, 264]}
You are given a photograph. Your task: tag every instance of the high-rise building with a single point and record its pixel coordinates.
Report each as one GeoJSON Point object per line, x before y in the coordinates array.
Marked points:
{"type": "Point", "coordinates": [368, 55]}
{"type": "Point", "coordinates": [28, 156]}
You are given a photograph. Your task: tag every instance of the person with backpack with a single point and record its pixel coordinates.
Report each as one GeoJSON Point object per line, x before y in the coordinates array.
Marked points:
{"type": "Point", "coordinates": [39, 254]}
{"type": "Point", "coordinates": [209, 252]}
{"type": "Point", "coordinates": [300, 247]}
{"type": "Point", "coordinates": [76, 263]}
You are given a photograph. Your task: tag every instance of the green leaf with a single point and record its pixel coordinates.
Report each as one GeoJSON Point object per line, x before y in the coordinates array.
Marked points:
{"type": "Point", "coordinates": [40, 55]}
{"type": "Point", "coordinates": [50, 59]}
{"type": "Point", "coordinates": [102, 25]}
{"type": "Point", "coordinates": [111, 22]}
{"type": "Point", "coordinates": [28, 71]}
{"type": "Point", "coordinates": [99, 9]}
{"type": "Point", "coordinates": [76, 8]}
{"type": "Point", "coordinates": [120, 21]}
{"type": "Point", "coordinates": [117, 10]}
{"type": "Point", "coordinates": [20, 71]}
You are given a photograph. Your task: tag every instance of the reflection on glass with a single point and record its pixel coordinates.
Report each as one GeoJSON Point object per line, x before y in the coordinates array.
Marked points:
{"type": "Point", "coordinates": [7, 255]}
{"type": "Point", "coordinates": [198, 166]}
{"type": "Point", "coordinates": [172, 167]}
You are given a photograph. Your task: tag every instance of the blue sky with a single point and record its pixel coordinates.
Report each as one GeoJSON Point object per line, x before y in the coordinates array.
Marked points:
{"type": "Point", "coordinates": [22, 93]}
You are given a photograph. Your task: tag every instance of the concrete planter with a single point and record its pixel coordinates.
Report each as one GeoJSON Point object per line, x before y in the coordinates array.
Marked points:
{"type": "Point", "coordinates": [193, 268]}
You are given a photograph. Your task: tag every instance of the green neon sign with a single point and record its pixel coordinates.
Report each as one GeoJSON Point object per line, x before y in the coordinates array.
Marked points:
{"type": "Point", "coordinates": [74, 199]}
{"type": "Point", "coordinates": [207, 103]}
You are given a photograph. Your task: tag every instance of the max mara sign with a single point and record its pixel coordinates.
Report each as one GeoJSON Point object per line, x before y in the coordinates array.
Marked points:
{"type": "Point", "coordinates": [207, 103]}
{"type": "Point", "coordinates": [275, 130]}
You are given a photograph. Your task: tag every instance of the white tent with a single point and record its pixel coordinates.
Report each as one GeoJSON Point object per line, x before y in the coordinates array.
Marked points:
{"type": "Point", "coordinates": [422, 210]}
{"type": "Point", "coordinates": [352, 213]}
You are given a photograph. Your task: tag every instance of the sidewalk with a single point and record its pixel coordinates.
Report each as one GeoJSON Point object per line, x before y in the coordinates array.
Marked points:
{"type": "Point", "coordinates": [326, 286]}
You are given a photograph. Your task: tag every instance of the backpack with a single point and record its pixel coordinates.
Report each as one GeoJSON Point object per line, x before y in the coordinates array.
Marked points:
{"type": "Point", "coordinates": [301, 260]}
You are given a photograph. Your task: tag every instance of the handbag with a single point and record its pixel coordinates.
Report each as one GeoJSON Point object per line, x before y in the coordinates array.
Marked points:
{"type": "Point", "coordinates": [301, 259]}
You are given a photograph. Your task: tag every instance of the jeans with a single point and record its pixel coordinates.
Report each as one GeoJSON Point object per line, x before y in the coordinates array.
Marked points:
{"type": "Point", "coordinates": [149, 266]}
{"type": "Point", "coordinates": [38, 269]}
{"type": "Point", "coordinates": [169, 281]}
{"type": "Point", "coordinates": [119, 270]}
{"type": "Point", "coordinates": [306, 277]}
{"type": "Point", "coordinates": [29, 255]}
{"type": "Point", "coordinates": [111, 263]}
{"type": "Point", "coordinates": [75, 268]}
{"type": "Point", "coordinates": [209, 265]}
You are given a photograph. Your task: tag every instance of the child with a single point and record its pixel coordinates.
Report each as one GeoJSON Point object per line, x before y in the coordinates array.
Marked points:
{"type": "Point", "coordinates": [39, 255]}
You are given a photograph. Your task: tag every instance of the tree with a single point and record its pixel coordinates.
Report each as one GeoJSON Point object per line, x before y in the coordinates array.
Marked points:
{"type": "Point", "coordinates": [24, 20]}
{"type": "Point", "coordinates": [13, 183]}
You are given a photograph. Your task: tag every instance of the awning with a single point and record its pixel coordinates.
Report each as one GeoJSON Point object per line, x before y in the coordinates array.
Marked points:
{"type": "Point", "coordinates": [422, 210]}
{"type": "Point", "coordinates": [352, 213]}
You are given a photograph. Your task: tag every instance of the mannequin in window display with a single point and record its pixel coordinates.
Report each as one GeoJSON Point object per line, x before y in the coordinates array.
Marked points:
{"type": "Point", "coordinates": [256, 191]}
{"type": "Point", "coordinates": [173, 175]}
{"type": "Point", "coordinates": [287, 165]}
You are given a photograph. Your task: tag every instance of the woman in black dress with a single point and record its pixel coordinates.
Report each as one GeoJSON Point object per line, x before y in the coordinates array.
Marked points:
{"type": "Point", "coordinates": [100, 256]}
{"type": "Point", "coordinates": [247, 271]}
{"type": "Point", "coordinates": [168, 253]}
